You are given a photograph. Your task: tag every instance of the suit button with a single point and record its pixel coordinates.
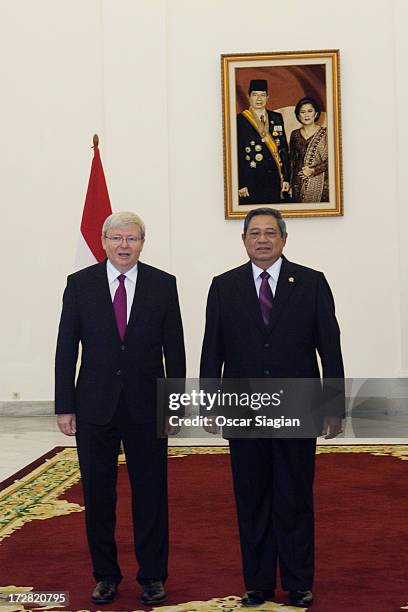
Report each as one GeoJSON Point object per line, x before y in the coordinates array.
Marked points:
{"type": "Point", "coordinates": [266, 372]}
{"type": "Point", "coordinates": [123, 347]}
{"type": "Point", "coordinates": [266, 345]}
{"type": "Point", "coordinates": [119, 372]}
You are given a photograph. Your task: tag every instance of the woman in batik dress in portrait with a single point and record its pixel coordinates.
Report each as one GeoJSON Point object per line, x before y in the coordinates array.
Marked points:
{"type": "Point", "coordinates": [309, 155]}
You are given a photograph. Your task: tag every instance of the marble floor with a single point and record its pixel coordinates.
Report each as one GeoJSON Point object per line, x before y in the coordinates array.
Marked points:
{"type": "Point", "coordinates": [23, 439]}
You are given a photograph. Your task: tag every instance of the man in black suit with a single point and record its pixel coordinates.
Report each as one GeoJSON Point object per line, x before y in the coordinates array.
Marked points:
{"type": "Point", "coordinates": [263, 154]}
{"type": "Point", "coordinates": [266, 319]}
{"type": "Point", "coordinates": [126, 316]}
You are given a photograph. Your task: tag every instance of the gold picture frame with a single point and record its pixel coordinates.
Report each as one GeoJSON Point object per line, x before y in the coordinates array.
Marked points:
{"type": "Point", "coordinates": [273, 156]}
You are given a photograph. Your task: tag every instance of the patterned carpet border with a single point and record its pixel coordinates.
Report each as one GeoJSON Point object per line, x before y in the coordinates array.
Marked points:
{"type": "Point", "coordinates": [31, 466]}
{"type": "Point", "coordinates": [226, 604]}
{"type": "Point", "coordinates": [35, 495]}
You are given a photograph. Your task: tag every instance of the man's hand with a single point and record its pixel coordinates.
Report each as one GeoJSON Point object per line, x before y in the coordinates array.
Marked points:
{"type": "Point", "coordinates": [243, 192]}
{"type": "Point", "coordinates": [285, 186]}
{"type": "Point", "coordinates": [211, 426]}
{"type": "Point", "coordinates": [67, 424]}
{"type": "Point", "coordinates": [331, 427]}
{"type": "Point", "coordinates": [171, 430]}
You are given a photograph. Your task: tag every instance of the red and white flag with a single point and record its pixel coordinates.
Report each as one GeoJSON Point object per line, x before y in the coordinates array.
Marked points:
{"type": "Point", "coordinates": [96, 208]}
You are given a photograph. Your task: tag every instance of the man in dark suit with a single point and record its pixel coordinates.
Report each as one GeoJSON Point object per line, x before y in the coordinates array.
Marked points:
{"type": "Point", "coordinates": [266, 319]}
{"type": "Point", "coordinates": [126, 316]}
{"type": "Point", "coordinates": [263, 154]}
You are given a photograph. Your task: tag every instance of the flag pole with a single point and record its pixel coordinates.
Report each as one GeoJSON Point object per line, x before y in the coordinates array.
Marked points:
{"type": "Point", "coordinates": [96, 208]}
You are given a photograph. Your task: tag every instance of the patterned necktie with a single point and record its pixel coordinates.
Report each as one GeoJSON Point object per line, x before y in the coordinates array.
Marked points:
{"type": "Point", "coordinates": [120, 306]}
{"type": "Point", "coordinates": [265, 297]}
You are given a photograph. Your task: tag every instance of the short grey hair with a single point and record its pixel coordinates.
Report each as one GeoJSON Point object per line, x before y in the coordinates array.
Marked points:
{"type": "Point", "coordinates": [266, 211]}
{"type": "Point", "coordinates": [121, 219]}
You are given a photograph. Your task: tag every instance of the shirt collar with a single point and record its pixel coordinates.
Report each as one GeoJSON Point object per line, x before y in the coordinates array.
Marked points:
{"type": "Point", "coordinates": [260, 113]}
{"type": "Point", "coordinates": [113, 273]}
{"type": "Point", "coordinates": [273, 270]}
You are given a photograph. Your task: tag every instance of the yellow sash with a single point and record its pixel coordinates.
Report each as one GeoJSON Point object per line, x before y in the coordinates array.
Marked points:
{"type": "Point", "coordinates": [268, 140]}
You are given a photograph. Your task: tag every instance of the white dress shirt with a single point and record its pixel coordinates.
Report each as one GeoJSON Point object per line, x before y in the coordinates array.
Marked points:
{"type": "Point", "coordinates": [130, 284]}
{"type": "Point", "coordinates": [273, 271]}
{"type": "Point", "coordinates": [259, 114]}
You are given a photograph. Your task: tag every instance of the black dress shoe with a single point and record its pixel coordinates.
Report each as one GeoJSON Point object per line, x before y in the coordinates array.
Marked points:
{"type": "Point", "coordinates": [256, 598]}
{"type": "Point", "coordinates": [153, 592]}
{"type": "Point", "coordinates": [104, 592]}
{"type": "Point", "coordinates": [301, 599]}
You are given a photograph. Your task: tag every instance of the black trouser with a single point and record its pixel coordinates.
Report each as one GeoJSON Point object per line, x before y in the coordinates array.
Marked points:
{"type": "Point", "coordinates": [146, 459]}
{"type": "Point", "coordinates": [273, 485]}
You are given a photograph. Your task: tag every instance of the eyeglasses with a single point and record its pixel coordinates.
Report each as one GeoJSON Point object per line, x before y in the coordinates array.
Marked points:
{"type": "Point", "coordinates": [120, 239]}
{"type": "Point", "coordinates": [268, 234]}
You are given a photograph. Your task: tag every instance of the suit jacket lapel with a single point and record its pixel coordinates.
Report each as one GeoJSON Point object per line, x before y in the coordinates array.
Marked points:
{"type": "Point", "coordinates": [141, 293]}
{"type": "Point", "coordinates": [287, 283]}
{"type": "Point", "coordinates": [247, 290]}
{"type": "Point", "coordinates": [103, 299]}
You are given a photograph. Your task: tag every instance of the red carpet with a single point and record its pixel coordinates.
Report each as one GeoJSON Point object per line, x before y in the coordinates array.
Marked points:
{"type": "Point", "coordinates": [361, 520]}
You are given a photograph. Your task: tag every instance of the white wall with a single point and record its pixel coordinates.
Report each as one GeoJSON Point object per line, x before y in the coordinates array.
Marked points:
{"type": "Point", "coordinates": [50, 62]}
{"type": "Point", "coordinates": [146, 77]}
{"type": "Point", "coordinates": [401, 159]}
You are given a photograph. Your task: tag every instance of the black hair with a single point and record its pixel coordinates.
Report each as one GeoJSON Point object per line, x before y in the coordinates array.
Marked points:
{"type": "Point", "coordinates": [266, 211]}
{"type": "Point", "coordinates": [310, 101]}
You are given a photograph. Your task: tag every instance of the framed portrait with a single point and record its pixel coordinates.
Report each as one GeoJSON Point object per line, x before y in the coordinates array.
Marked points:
{"type": "Point", "coordinates": [282, 138]}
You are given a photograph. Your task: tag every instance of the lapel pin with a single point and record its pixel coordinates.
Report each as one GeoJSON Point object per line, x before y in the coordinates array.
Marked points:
{"type": "Point", "coordinates": [291, 279]}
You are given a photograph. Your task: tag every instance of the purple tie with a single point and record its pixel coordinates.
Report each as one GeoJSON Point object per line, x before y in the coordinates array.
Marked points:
{"type": "Point", "coordinates": [120, 306]}
{"type": "Point", "coordinates": [265, 297]}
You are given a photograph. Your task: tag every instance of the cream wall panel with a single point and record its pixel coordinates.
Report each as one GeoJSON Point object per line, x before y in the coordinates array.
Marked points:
{"type": "Point", "coordinates": [51, 67]}
{"type": "Point", "coordinates": [146, 77]}
{"type": "Point", "coordinates": [359, 263]}
{"type": "Point", "coordinates": [401, 164]}
{"type": "Point", "coordinates": [135, 101]}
